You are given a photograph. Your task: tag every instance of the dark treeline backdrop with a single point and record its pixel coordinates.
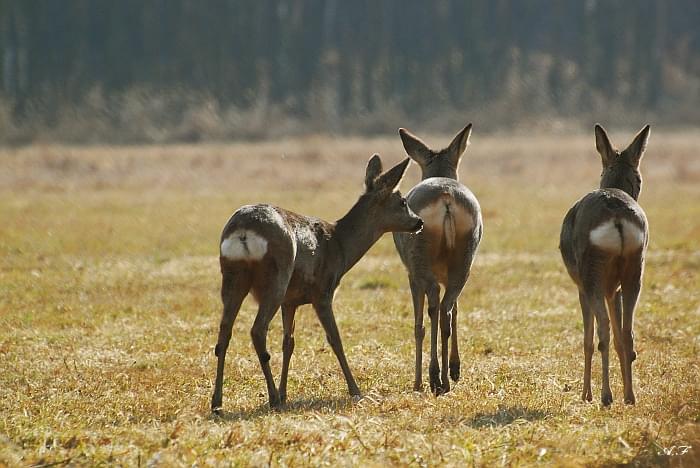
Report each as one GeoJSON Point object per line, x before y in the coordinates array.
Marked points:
{"type": "Point", "coordinates": [159, 70]}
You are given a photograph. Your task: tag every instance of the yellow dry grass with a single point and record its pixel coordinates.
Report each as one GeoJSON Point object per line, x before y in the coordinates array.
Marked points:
{"type": "Point", "coordinates": [109, 310]}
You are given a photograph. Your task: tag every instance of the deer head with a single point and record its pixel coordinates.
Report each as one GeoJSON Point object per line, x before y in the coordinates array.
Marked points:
{"type": "Point", "coordinates": [443, 163]}
{"type": "Point", "coordinates": [621, 169]}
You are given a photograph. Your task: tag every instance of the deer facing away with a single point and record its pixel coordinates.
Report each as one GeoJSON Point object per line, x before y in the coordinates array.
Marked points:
{"type": "Point", "coordinates": [286, 259]}
{"type": "Point", "coordinates": [441, 254]}
{"type": "Point", "coordinates": [603, 243]}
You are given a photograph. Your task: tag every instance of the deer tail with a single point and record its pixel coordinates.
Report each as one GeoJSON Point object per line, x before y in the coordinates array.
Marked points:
{"type": "Point", "coordinates": [448, 226]}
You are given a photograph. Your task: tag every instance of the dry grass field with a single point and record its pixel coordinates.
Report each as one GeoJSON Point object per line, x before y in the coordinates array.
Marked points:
{"type": "Point", "coordinates": [109, 310]}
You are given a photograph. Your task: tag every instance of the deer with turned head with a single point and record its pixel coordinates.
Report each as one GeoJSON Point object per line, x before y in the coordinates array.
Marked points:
{"type": "Point", "coordinates": [603, 242]}
{"type": "Point", "coordinates": [287, 260]}
{"type": "Point", "coordinates": [442, 253]}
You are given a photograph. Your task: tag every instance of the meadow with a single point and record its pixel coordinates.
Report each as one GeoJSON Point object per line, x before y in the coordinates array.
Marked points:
{"type": "Point", "coordinates": [109, 312]}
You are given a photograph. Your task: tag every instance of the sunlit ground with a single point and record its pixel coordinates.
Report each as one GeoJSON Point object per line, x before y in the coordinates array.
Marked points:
{"type": "Point", "coordinates": [109, 310]}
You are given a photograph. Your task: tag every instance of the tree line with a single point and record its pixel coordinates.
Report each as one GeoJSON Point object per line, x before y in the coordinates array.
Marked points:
{"type": "Point", "coordinates": [345, 58]}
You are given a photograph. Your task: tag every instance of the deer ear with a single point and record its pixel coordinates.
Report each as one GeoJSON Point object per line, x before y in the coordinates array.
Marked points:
{"type": "Point", "coordinates": [636, 149]}
{"type": "Point", "coordinates": [374, 169]}
{"type": "Point", "coordinates": [459, 143]}
{"type": "Point", "coordinates": [602, 144]}
{"type": "Point", "coordinates": [391, 178]}
{"type": "Point", "coordinates": [415, 148]}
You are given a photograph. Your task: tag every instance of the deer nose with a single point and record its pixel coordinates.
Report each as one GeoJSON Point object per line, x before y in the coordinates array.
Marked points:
{"type": "Point", "coordinates": [418, 226]}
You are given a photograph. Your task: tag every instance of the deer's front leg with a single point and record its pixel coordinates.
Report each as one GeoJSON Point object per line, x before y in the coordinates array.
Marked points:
{"type": "Point", "coordinates": [324, 311]}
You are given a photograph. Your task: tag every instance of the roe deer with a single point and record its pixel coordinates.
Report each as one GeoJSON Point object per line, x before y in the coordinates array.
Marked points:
{"type": "Point", "coordinates": [286, 259]}
{"type": "Point", "coordinates": [603, 242]}
{"type": "Point", "coordinates": [442, 253]}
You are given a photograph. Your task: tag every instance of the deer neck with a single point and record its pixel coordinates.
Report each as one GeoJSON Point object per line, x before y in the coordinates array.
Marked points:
{"type": "Point", "coordinates": [355, 233]}
{"type": "Point", "coordinates": [439, 167]}
{"type": "Point", "coordinates": [624, 183]}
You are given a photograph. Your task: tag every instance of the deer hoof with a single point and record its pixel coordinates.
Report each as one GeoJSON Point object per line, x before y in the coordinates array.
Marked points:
{"type": "Point", "coordinates": [606, 399]}
{"type": "Point", "coordinates": [445, 388]}
{"type": "Point", "coordinates": [418, 387]}
{"type": "Point", "coordinates": [435, 384]}
{"type": "Point", "coordinates": [587, 396]}
{"type": "Point", "coordinates": [630, 400]}
{"type": "Point", "coordinates": [454, 371]}
{"type": "Point", "coordinates": [216, 403]}
{"type": "Point", "coordinates": [275, 400]}
{"type": "Point", "coordinates": [275, 405]}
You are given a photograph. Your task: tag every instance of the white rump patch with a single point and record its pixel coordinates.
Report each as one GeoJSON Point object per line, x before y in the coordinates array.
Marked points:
{"type": "Point", "coordinates": [607, 237]}
{"type": "Point", "coordinates": [633, 234]}
{"type": "Point", "coordinates": [437, 220]}
{"type": "Point", "coordinates": [244, 244]}
{"type": "Point", "coordinates": [433, 215]}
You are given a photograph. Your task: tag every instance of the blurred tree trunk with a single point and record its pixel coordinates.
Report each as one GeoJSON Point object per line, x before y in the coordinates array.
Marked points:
{"type": "Point", "coordinates": [15, 73]}
{"type": "Point", "coordinates": [658, 55]}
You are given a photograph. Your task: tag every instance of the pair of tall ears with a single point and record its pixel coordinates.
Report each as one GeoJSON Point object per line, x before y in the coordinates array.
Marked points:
{"type": "Point", "coordinates": [419, 151]}
{"type": "Point", "coordinates": [633, 153]}
{"type": "Point", "coordinates": [375, 181]}
{"type": "Point", "coordinates": [422, 154]}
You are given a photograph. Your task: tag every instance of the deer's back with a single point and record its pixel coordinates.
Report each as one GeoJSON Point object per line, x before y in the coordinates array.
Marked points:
{"type": "Point", "coordinates": [604, 225]}
{"type": "Point", "coordinates": [428, 191]}
{"type": "Point", "coordinates": [266, 233]}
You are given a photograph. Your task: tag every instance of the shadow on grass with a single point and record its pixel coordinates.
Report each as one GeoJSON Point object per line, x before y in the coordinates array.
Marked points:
{"type": "Point", "coordinates": [292, 407]}
{"type": "Point", "coordinates": [505, 416]}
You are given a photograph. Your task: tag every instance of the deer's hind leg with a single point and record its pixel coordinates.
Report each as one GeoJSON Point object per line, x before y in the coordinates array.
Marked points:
{"type": "Point", "coordinates": [631, 286]}
{"type": "Point", "coordinates": [596, 303]}
{"type": "Point", "coordinates": [587, 394]}
{"type": "Point", "coordinates": [235, 284]}
{"type": "Point", "coordinates": [270, 287]}
{"type": "Point", "coordinates": [418, 295]}
{"type": "Point", "coordinates": [446, 310]}
{"type": "Point", "coordinates": [594, 292]}
{"type": "Point", "coordinates": [288, 312]}
{"type": "Point", "coordinates": [433, 293]}
{"type": "Point", "coordinates": [461, 276]}
{"type": "Point", "coordinates": [458, 275]}
{"type": "Point", "coordinates": [454, 347]}
{"type": "Point", "coordinates": [614, 302]}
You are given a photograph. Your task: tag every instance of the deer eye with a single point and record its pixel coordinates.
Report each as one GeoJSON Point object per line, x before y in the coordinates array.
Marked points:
{"type": "Point", "coordinates": [403, 202]}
